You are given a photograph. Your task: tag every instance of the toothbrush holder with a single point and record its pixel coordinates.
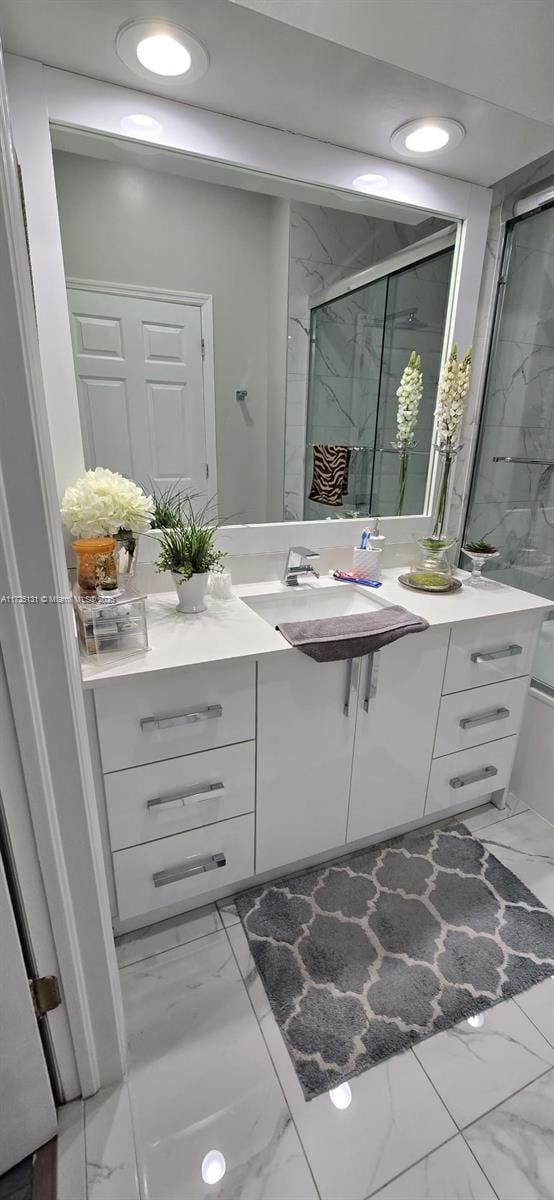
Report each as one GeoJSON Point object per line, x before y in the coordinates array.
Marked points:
{"type": "Point", "coordinates": [366, 564]}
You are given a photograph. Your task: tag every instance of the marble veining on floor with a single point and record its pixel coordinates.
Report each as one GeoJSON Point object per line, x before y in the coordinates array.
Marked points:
{"type": "Point", "coordinates": [467, 1115]}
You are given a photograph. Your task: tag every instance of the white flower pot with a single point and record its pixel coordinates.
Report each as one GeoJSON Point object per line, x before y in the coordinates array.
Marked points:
{"type": "Point", "coordinates": [191, 592]}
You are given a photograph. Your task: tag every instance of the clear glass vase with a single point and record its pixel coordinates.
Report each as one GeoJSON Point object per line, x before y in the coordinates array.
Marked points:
{"type": "Point", "coordinates": [433, 571]}
{"type": "Point", "coordinates": [478, 560]}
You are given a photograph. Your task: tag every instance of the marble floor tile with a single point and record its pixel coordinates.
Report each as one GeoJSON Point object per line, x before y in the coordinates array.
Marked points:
{"type": "Point", "coordinates": [201, 1080]}
{"type": "Point", "coordinates": [515, 1143]}
{"type": "Point", "coordinates": [394, 1116]}
{"type": "Point", "coordinates": [165, 935]}
{"type": "Point", "coordinates": [525, 844]}
{"type": "Point", "coordinates": [110, 1147]}
{"type": "Point", "coordinates": [449, 1173]}
{"type": "Point", "coordinates": [474, 1069]}
{"type": "Point", "coordinates": [488, 814]}
{"type": "Point", "coordinates": [538, 1005]}
{"type": "Point", "coordinates": [71, 1163]}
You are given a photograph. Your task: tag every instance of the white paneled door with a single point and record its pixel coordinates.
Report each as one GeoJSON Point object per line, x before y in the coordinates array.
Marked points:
{"type": "Point", "coordinates": [140, 378]}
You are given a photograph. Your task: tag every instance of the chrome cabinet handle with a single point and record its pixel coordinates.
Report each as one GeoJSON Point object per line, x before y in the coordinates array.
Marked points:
{"type": "Point", "coordinates": [461, 781]}
{"type": "Point", "coordinates": [482, 656]}
{"type": "Point", "coordinates": [485, 718]}
{"type": "Point", "coordinates": [189, 717]}
{"type": "Point", "coordinates": [197, 864]}
{"type": "Point", "coordinates": [352, 676]}
{"type": "Point", "coordinates": [371, 678]}
{"type": "Point", "coordinates": [188, 796]}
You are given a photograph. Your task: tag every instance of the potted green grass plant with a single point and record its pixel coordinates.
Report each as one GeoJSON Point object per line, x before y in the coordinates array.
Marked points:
{"type": "Point", "coordinates": [188, 550]}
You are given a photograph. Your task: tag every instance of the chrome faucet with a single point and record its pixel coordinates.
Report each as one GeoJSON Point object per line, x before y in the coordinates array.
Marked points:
{"type": "Point", "coordinates": [300, 567]}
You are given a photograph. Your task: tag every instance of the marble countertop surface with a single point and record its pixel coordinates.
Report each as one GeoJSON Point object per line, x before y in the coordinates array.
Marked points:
{"type": "Point", "coordinates": [229, 629]}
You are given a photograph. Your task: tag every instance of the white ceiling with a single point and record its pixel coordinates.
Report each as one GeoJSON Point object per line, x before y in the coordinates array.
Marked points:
{"type": "Point", "coordinates": [500, 50]}
{"type": "Point", "coordinates": [265, 70]}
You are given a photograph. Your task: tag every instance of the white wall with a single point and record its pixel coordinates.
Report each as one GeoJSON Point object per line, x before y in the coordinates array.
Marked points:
{"type": "Point", "coordinates": [123, 224]}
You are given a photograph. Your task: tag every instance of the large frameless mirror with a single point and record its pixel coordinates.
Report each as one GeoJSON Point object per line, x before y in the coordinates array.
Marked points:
{"type": "Point", "coordinates": [241, 336]}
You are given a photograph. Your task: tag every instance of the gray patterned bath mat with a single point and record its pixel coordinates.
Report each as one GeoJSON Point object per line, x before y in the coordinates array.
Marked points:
{"type": "Point", "coordinates": [364, 956]}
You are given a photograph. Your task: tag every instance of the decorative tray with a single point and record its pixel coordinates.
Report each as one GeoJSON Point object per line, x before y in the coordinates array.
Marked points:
{"type": "Point", "coordinates": [447, 591]}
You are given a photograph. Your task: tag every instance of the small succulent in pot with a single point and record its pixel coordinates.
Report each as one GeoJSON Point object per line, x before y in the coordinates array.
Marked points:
{"type": "Point", "coordinates": [480, 547]}
{"type": "Point", "coordinates": [188, 550]}
{"type": "Point", "coordinates": [480, 553]}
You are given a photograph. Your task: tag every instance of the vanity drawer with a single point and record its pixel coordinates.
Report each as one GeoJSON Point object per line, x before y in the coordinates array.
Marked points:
{"type": "Point", "coordinates": [182, 867]}
{"type": "Point", "coordinates": [490, 650]}
{"type": "Point", "coordinates": [162, 798]}
{"type": "Point", "coordinates": [480, 715]}
{"type": "Point", "coordinates": [457, 778]}
{"type": "Point", "coordinates": [174, 713]}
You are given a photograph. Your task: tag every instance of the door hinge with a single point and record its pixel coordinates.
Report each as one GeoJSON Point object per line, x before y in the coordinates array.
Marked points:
{"type": "Point", "coordinates": [45, 993]}
{"type": "Point", "coordinates": [203, 347]}
{"type": "Point", "coordinates": [207, 470]}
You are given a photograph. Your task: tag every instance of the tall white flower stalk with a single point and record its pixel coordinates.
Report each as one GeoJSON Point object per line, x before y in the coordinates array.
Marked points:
{"type": "Point", "coordinates": [409, 395]}
{"type": "Point", "coordinates": [451, 397]}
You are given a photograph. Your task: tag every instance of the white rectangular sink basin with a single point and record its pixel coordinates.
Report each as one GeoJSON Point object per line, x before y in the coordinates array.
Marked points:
{"type": "Point", "coordinates": [310, 603]}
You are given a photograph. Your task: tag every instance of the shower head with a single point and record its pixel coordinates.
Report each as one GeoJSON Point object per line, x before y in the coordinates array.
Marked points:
{"type": "Point", "coordinates": [407, 318]}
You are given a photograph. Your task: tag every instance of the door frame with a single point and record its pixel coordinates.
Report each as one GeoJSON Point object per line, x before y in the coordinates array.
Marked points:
{"type": "Point", "coordinates": [201, 300]}
{"type": "Point", "coordinates": [39, 646]}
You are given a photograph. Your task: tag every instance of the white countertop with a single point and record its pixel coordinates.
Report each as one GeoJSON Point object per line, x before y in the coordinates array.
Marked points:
{"type": "Point", "coordinates": [229, 629]}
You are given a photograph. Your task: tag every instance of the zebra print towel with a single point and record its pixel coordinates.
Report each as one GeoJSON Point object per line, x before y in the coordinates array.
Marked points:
{"type": "Point", "coordinates": [330, 474]}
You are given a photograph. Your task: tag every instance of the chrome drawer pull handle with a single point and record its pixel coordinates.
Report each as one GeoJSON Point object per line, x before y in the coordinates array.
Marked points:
{"type": "Point", "coordinates": [346, 705]}
{"type": "Point", "coordinates": [189, 717]}
{"type": "Point", "coordinates": [482, 656]}
{"type": "Point", "coordinates": [372, 678]}
{"type": "Point", "coordinates": [197, 864]}
{"type": "Point", "coordinates": [473, 777]}
{"type": "Point", "coordinates": [495, 714]}
{"type": "Point", "coordinates": [188, 796]}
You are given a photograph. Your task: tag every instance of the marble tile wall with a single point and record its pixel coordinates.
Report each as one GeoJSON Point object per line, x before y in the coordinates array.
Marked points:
{"type": "Point", "coordinates": [326, 245]}
{"type": "Point", "coordinates": [524, 365]}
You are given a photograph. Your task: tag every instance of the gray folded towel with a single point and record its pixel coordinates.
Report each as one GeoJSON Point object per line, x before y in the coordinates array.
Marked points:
{"type": "Point", "coordinates": [335, 638]}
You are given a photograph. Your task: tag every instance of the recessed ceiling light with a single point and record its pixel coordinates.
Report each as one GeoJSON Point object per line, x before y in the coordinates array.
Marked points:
{"type": "Point", "coordinates": [370, 183]}
{"type": "Point", "coordinates": [164, 55]}
{"type": "Point", "coordinates": [157, 48]}
{"type": "Point", "coordinates": [213, 1167]}
{"type": "Point", "coordinates": [427, 135]}
{"type": "Point", "coordinates": [341, 1096]}
{"type": "Point", "coordinates": [141, 126]}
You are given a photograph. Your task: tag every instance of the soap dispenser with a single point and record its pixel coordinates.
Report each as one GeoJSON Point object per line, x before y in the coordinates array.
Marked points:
{"type": "Point", "coordinates": [376, 540]}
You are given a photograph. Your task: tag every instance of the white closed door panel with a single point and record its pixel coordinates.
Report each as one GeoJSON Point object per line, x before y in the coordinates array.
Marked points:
{"type": "Point", "coordinates": [306, 721]}
{"type": "Point", "coordinates": [28, 1114]}
{"type": "Point", "coordinates": [140, 381]}
{"type": "Point", "coordinates": [399, 698]}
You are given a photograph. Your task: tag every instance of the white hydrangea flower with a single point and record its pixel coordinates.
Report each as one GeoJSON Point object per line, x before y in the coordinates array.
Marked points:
{"type": "Point", "coordinates": [103, 502]}
{"type": "Point", "coordinates": [451, 397]}
{"type": "Point", "coordinates": [409, 395]}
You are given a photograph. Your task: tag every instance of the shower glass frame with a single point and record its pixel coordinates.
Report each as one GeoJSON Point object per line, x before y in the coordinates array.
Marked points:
{"type": "Point", "coordinates": [381, 442]}
{"type": "Point", "coordinates": [544, 686]}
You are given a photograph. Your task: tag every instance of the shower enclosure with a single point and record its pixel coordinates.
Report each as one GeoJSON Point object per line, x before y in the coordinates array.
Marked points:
{"type": "Point", "coordinates": [512, 493]}
{"type": "Point", "coordinates": [360, 342]}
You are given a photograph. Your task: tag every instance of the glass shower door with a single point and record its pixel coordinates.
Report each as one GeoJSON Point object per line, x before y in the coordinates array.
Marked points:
{"type": "Point", "coordinates": [512, 495]}
{"type": "Point", "coordinates": [346, 337]}
{"type": "Point", "coordinates": [417, 303]}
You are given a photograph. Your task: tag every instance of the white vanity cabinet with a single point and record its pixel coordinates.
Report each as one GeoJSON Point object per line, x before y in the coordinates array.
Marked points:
{"type": "Point", "coordinates": [177, 752]}
{"type": "Point", "coordinates": [398, 704]}
{"type": "Point", "coordinates": [306, 723]}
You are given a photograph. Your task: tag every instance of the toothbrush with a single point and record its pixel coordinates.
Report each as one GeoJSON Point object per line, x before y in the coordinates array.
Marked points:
{"type": "Point", "coordinates": [344, 577]}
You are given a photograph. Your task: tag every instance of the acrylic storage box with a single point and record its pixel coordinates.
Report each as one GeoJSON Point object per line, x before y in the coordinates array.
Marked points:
{"type": "Point", "coordinates": [111, 623]}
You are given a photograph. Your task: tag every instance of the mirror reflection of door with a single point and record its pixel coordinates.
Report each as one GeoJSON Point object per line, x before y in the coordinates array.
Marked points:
{"type": "Point", "coordinates": [139, 368]}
